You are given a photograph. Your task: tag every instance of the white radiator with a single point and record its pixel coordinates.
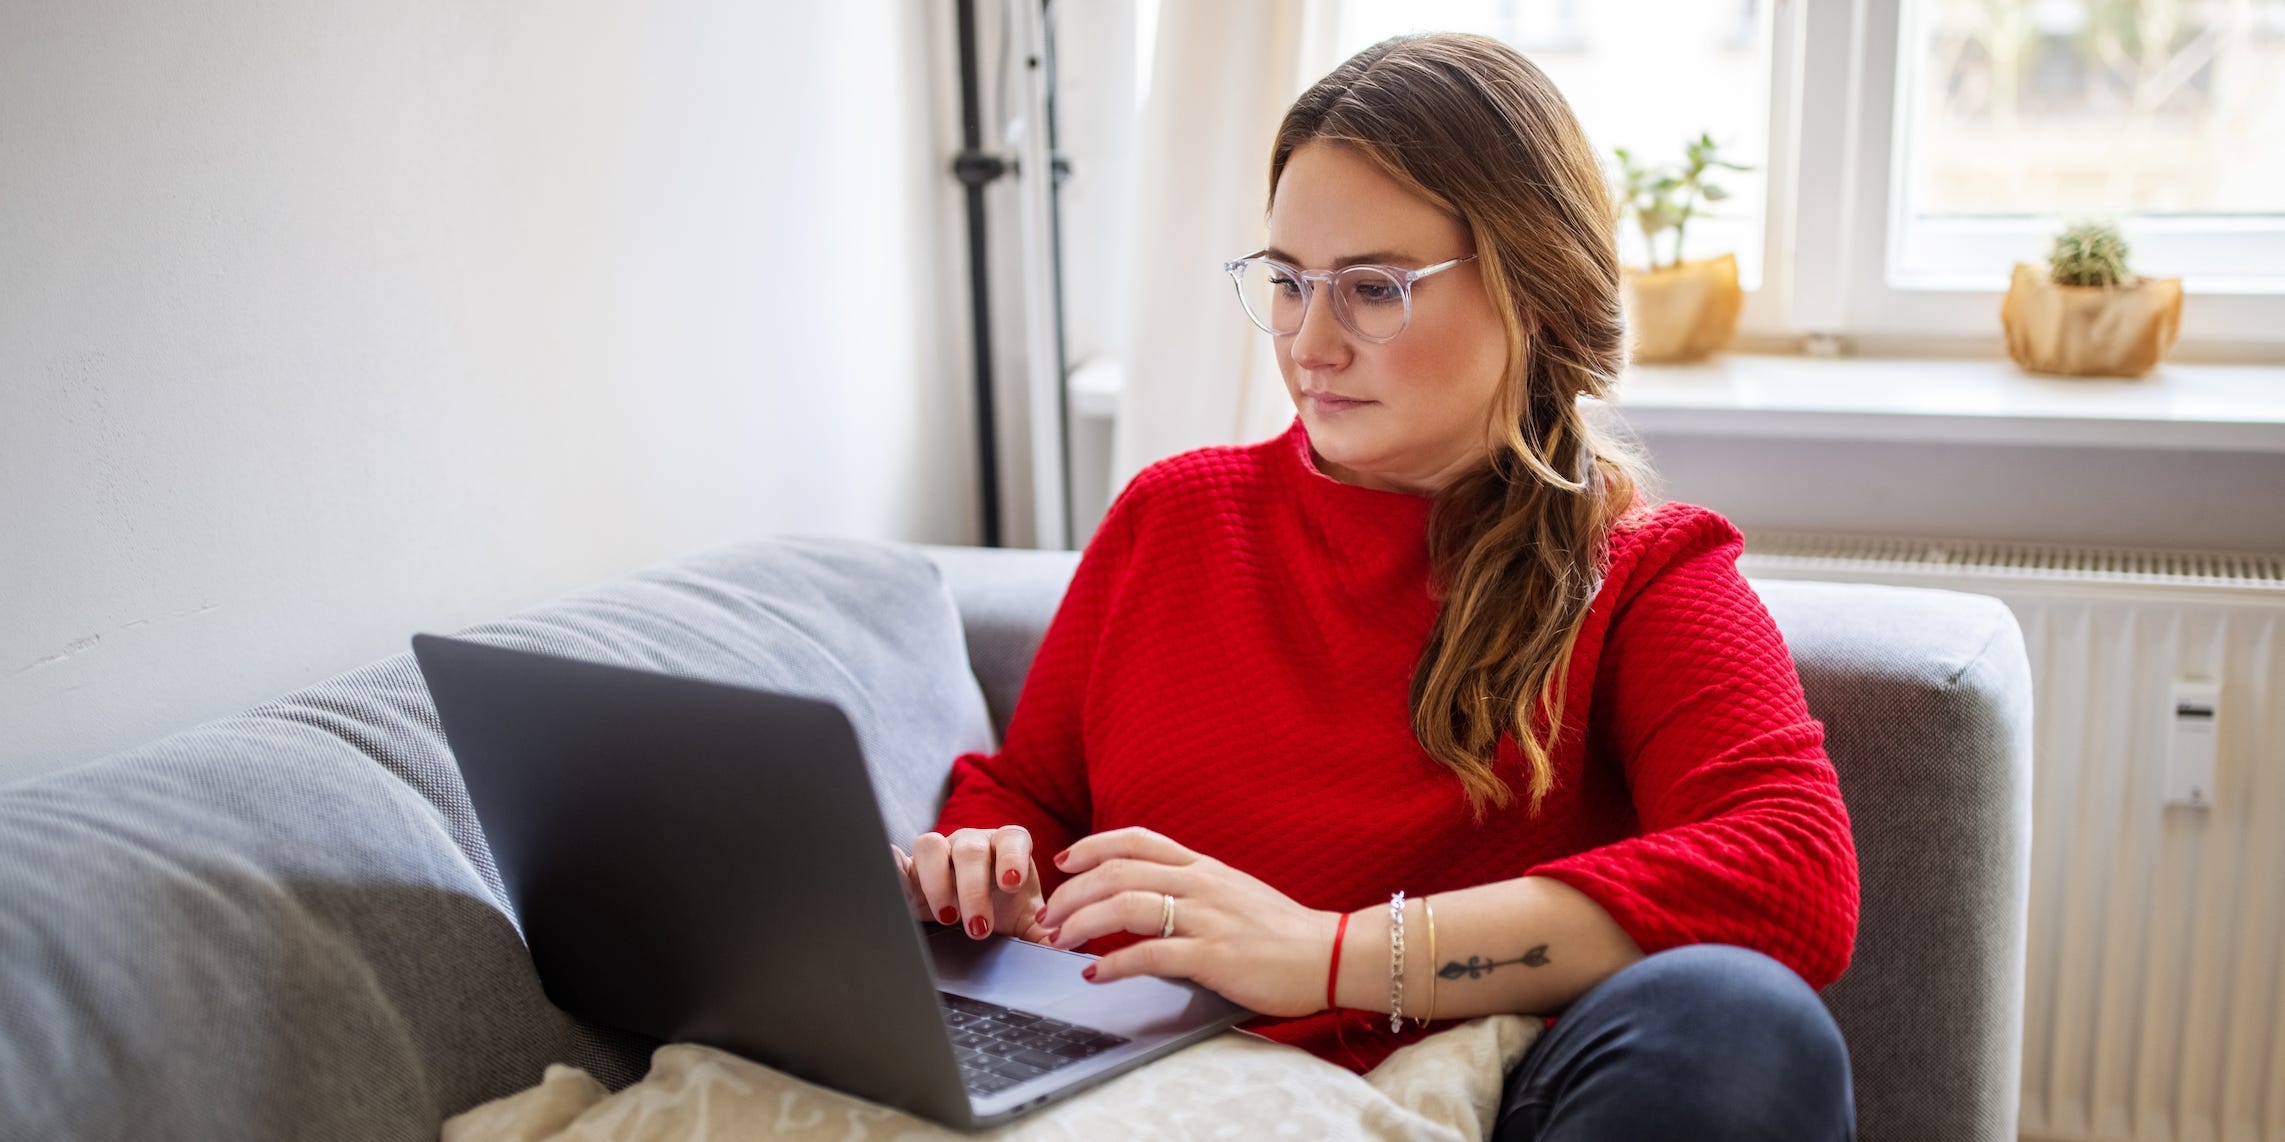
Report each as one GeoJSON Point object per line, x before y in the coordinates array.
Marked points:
{"type": "Point", "coordinates": [2155, 1005]}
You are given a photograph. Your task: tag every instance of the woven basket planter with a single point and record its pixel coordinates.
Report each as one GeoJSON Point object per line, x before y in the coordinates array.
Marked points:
{"type": "Point", "coordinates": [2090, 331]}
{"type": "Point", "coordinates": [1682, 312]}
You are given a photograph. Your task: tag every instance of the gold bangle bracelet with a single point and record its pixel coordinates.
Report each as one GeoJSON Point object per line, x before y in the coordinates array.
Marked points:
{"type": "Point", "coordinates": [1424, 907]}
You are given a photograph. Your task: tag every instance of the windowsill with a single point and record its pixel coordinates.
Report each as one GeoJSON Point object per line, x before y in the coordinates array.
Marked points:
{"type": "Point", "coordinates": [2180, 407]}
{"type": "Point", "coordinates": [2184, 407]}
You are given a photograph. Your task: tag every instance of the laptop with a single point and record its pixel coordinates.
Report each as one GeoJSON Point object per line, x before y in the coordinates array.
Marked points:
{"type": "Point", "coordinates": [704, 862]}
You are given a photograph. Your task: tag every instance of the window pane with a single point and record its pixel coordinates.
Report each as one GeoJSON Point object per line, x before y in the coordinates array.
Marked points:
{"type": "Point", "coordinates": [2168, 115]}
{"type": "Point", "coordinates": [1647, 75]}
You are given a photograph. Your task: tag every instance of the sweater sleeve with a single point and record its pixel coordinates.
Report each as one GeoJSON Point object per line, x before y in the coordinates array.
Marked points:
{"type": "Point", "coordinates": [1038, 778]}
{"type": "Point", "coordinates": [1743, 837]}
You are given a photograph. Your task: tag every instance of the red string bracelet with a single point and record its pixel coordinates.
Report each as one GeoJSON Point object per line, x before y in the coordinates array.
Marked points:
{"type": "Point", "coordinates": [1334, 974]}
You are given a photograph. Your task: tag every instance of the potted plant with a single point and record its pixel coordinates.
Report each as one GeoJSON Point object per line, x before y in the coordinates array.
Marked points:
{"type": "Point", "coordinates": [1681, 310]}
{"type": "Point", "coordinates": [2089, 315]}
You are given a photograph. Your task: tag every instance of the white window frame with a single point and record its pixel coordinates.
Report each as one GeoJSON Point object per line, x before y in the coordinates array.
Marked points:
{"type": "Point", "coordinates": [1833, 230]}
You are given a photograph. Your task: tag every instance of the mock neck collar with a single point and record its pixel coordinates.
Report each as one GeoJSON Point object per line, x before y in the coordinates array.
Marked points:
{"type": "Point", "coordinates": [1320, 492]}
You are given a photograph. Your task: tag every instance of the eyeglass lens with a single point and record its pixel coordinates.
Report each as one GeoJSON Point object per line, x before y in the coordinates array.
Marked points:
{"type": "Point", "coordinates": [1369, 301]}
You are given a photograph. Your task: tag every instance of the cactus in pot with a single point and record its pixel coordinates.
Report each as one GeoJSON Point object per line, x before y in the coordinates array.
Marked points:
{"type": "Point", "coordinates": [2089, 314]}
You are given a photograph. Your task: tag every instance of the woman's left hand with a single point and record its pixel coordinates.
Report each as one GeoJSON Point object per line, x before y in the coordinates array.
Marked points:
{"type": "Point", "coordinates": [1233, 934]}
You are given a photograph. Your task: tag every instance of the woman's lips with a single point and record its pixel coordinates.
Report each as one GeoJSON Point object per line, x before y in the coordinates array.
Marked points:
{"type": "Point", "coordinates": [1326, 404]}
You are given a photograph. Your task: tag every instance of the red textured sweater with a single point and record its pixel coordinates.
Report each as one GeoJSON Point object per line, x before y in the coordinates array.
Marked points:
{"type": "Point", "coordinates": [1230, 667]}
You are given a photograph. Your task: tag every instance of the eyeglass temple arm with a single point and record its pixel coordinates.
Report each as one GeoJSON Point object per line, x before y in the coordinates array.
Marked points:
{"type": "Point", "coordinates": [1438, 268]}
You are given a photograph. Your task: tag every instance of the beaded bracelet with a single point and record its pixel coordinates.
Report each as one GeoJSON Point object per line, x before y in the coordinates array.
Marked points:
{"type": "Point", "coordinates": [1396, 961]}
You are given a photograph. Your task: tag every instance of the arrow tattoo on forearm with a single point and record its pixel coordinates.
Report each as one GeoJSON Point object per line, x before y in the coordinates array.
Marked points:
{"type": "Point", "coordinates": [1479, 966]}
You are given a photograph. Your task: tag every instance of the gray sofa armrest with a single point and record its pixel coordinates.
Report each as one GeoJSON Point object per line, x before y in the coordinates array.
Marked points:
{"type": "Point", "coordinates": [288, 924]}
{"type": "Point", "coordinates": [1926, 700]}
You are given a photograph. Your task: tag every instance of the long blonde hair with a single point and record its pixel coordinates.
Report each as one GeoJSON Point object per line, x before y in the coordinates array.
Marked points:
{"type": "Point", "coordinates": [1516, 547]}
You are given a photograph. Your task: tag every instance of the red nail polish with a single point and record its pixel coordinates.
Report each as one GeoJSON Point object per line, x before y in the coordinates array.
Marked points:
{"type": "Point", "coordinates": [977, 927]}
{"type": "Point", "coordinates": [1059, 857]}
{"type": "Point", "coordinates": [1011, 878]}
{"type": "Point", "coordinates": [1088, 971]}
{"type": "Point", "coordinates": [947, 914]}
{"type": "Point", "coordinates": [1040, 917]}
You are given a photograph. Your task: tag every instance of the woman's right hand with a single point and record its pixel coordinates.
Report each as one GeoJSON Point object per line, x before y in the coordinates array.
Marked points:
{"type": "Point", "coordinates": [965, 879]}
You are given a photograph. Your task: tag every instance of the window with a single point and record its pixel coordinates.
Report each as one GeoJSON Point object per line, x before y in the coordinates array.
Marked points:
{"type": "Point", "coordinates": [1908, 152]}
{"type": "Point", "coordinates": [2168, 115]}
{"type": "Point", "coordinates": [1646, 75]}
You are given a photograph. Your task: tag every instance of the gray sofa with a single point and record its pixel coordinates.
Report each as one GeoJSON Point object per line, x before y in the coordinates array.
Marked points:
{"type": "Point", "coordinates": [285, 924]}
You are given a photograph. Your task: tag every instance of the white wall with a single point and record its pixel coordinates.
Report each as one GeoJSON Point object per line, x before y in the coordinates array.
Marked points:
{"type": "Point", "coordinates": [322, 323]}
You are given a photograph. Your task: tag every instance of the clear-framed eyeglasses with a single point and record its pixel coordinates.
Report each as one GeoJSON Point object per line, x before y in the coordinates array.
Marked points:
{"type": "Point", "coordinates": [1372, 301]}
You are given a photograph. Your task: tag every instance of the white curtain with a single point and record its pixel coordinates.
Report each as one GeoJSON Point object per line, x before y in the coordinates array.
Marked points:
{"type": "Point", "coordinates": [1197, 372]}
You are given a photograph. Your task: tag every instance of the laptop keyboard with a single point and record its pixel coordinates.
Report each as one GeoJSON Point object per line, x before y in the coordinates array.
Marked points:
{"type": "Point", "coordinates": [999, 1047]}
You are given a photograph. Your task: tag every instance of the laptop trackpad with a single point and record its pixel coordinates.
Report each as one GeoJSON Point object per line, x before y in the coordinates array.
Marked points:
{"type": "Point", "coordinates": [1046, 980]}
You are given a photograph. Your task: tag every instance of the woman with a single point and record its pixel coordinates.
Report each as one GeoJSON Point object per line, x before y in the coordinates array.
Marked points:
{"type": "Point", "coordinates": [1429, 670]}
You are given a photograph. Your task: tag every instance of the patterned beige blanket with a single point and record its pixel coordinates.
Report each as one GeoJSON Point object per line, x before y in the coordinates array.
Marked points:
{"type": "Point", "coordinates": [1444, 1088]}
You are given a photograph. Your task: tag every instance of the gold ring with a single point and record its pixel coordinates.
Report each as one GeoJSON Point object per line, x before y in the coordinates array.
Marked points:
{"type": "Point", "coordinates": [1166, 917]}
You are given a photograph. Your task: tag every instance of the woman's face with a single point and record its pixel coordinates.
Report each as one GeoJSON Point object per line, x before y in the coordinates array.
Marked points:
{"type": "Point", "coordinates": [1428, 393]}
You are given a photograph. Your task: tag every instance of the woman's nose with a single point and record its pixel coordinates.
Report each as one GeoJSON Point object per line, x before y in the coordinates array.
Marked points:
{"type": "Point", "coordinates": [1320, 342]}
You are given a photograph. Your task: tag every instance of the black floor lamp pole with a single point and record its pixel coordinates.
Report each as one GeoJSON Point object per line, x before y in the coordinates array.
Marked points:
{"type": "Point", "coordinates": [976, 170]}
{"type": "Point", "coordinates": [1058, 170]}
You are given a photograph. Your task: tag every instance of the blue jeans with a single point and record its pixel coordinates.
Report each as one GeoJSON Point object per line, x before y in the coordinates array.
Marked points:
{"type": "Point", "coordinates": [1706, 1042]}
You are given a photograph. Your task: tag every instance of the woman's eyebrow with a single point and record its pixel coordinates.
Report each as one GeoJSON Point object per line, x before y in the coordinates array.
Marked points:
{"type": "Point", "coordinates": [1376, 257]}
